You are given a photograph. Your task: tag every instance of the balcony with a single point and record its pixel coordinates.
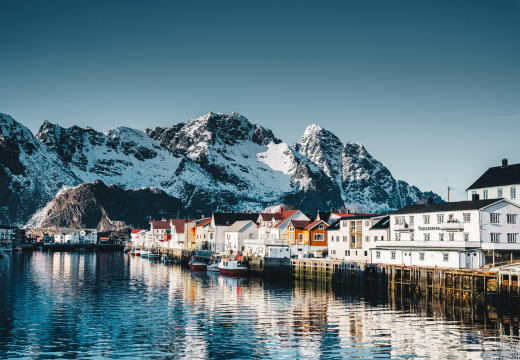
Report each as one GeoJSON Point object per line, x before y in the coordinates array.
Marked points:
{"type": "Point", "coordinates": [452, 226]}
{"type": "Point", "coordinates": [428, 245]}
{"type": "Point", "coordinates": [404, 227]}
{"type": "Point", "coordinates": [279, 242]}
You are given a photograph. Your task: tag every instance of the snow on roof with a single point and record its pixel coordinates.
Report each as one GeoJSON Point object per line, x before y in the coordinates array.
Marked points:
{"type": "Point", "coordinates": [239, 225]}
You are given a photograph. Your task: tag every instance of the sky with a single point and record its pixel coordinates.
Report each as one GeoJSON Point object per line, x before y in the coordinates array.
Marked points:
{"type": "Point", "coordinates": [431, 88]}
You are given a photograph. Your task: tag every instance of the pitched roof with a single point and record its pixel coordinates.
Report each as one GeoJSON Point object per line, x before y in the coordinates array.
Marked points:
{"type": "Point", "coordinates": [164, 224]}
{"type": "Point", "coordinates": [324, 215]}
{"type": "Point", "coordinates": [204, 222]}
{"type": "Point", "coordinates": [451, 206]}
{"type": "Point", "coordinates": [227, 219]}
{"type": "Point", "coordinates": [239, 225]}
{"type": "Point", "coordinates": [135, 231]}
{"type": "Point", "coordinates": [333, 226]}
{"type": "Point", "coordinates": [498, 176]}
{"type": "Point", "coordinates": [179, 225]}
{"type": "Point", "coordinates": [382, 224]}
{"type": "Point", "coordinates": [299, 224]}
{"type": "Point", "coordinates": [271, 216]}
{"type": "Point", "coordinates": [314, 224]}
{"type": "Point", "coordinates": [74, 231]}
{"type": "Point", "coordinates": [358, 217]}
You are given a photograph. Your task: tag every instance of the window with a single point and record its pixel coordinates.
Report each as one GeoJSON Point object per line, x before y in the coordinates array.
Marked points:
{"type": "Point", "coordinates": [511, 238]}
{"type": "Point", "coordinates": [467, 217]}
{"type": "Point", "coordinates": [494, 218]}
{"type": "Point", "coordinates": [426, 219]}
{"type": "Point", "coordinates": [441, 237]}
{"type": "Point", "coordinates": [450, 217]}
{"type": "Point", "coordinates": [318, 237]}
{"type": "Point", "coordinates": [511, 219]}
{"type": "Point", "coordinates": [451, 236]}
{"type": "Point", "coordinates": [306, 237]}
{"type": "Point", "coordinates": [466, 236]}
{"type": "Point", "coordinates": [426, 237]}
{"type": "Point", "coordinates": [398, 237]}
{"type": "Point", "coordinates": [499, 193]}
{"type": "Point", "coordinates": [495, 237]}
{"type": "Point", "coordinates": [375, 238]}
{"type": "Point", "coordinates": [366, 253]}
{"type": "Point", "coordinates": [513, 193]}
{"type": "Point", "coordinates": [367, 223]}
{"type": "Point", "coordinates": [411, 236]}
{"type": "Point", "coordinates": [344, 223]}
{"type": "Point", "coordinates": [345, 238]}
{"type": "Point", "coordinates": [300, 237]}
{"type": "Point", "coordinates": [291, 228]}
{"type": "Point", "coordinates": [378, 254]}
{"type": "Point", "coordinates": [321, 226]}
{"type": "Point", "coordinates": [347, 252]}
{"type": "Point", "coordinates": [421, 256]}
{"type": "Point", "coordinates": [392, 254]}
{"type": "Point", "coordinates": [485, 196]}
{"type": "Point", "coordinates": [333, 252]}
{"type": "Point", "coordinates": [410, 219]}
{"type": "Point", "coordinates": [445, 256]}
{"type": "Point", "coordinates": [382, 238]}
{"type": "Point", "coordinates": [211, 236]}
{"type": "Point", "coordinates": [291, 237]}
{"type": "Point", "coordinates": [440, 218]}
{"type": "Point", "coordinates": [399, 220]}
{"type": "Point", "coordinates": [367, 238]}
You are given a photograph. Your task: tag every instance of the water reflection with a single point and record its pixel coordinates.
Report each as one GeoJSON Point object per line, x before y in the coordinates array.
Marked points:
{"type": "Point", "coordinates": [109, 305]}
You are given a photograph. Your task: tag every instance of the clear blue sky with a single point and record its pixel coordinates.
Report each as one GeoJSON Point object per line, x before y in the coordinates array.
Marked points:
{"type": "Point", "coordinates": [431, 88]}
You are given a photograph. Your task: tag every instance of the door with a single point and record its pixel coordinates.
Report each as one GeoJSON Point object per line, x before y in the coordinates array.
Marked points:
{"type": "Point", "coordinates": [469, 261]}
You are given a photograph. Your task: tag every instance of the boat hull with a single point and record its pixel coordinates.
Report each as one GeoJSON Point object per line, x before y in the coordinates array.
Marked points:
{"type": "Point", "coordinates": [198, 267]}
{"type": "Point", "coordinates": [213, 268]}
{"type": "Point", "coordinates": [232, 271]}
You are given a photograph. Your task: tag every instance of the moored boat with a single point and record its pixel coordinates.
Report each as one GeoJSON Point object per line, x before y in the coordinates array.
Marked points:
{"type": "Point", "coordinates": [213, 266]}
{"type": "Point", "coordinates": [154, 254]}
{"type": "Point", "coordinates": [17, 248]}
{"type": "Point", "coordinates": [137, 252]}
{"type": "Point", "coordinates": [197, 263]}
{"type": "Point", "coordinates": [232, 267]}
{"type": "Point", "coordinates": [144, 253]}
{"type": "Point", "coordinates": [165, 258]}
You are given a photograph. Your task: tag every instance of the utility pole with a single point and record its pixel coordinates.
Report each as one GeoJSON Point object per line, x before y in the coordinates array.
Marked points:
{"type": "Point", "coordinates": [448, 194]}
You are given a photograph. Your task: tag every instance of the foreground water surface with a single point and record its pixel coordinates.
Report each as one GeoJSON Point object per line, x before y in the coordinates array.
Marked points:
{"type": "Point", "coordinates": [111, 305]}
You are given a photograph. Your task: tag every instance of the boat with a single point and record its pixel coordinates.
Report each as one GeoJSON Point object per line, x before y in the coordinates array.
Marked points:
{"type": "Point", "coordinates": [6, 248]}
{"type": "Point", "coordinates": [137, 252]}
{"type": "Point", "coordinates": [154, 254]}
{"type": "Point", "coordinates": [132, 252]}
{"type": "Point", "coordinates": [144, 253]}
{"type": "Point", "coordinates": [197, 263]}
{"type": "Point", "coordinates": [18, 248]}
{"type": "Point", "coordinates": [165, 258]}
{"type": "Point", "coordinates": [232, 267]}
{"type": "Point", "coordinates": [213, 266]}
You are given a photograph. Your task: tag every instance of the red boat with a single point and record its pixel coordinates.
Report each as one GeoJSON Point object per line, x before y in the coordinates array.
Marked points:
{"type": "Point", "coordinates": [197, 263]}
{"type": "Point", "coordinates": [232, 267]}
{"type": "Point", "coordinates": [18, 248]}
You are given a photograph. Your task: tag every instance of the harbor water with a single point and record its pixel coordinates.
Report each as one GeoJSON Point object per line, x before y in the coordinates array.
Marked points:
{"type": "Point", "coordinates": [111, 305]}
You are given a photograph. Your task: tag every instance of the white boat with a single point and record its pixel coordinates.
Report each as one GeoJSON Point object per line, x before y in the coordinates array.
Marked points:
{"type": "Point", "coordinates": [232, 267]}
{"type": "Point", "coordinates": [213, 266]}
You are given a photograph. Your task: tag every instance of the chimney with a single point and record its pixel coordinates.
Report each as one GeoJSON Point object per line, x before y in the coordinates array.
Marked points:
{"type": "Point", "coordinates": [232, 211]}
{"type": "Point", "coordinates": [504, 163]}
{"type": "Point", "coordinates": [332, 210]}
{"type": "Point", "coordinates": [429, 201]}
{"type": "Point", "coordinates": [475, 197]}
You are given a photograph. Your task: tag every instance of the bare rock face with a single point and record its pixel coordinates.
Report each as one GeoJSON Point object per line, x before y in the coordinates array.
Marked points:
{"type": "Point", "coordinates": [217, 162]}
{"type": "Point", "coordinates": [93, 205]}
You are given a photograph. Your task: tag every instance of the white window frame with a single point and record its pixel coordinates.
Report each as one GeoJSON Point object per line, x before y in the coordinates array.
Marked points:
{"type": "Point", "coordinates": [511, 218]}
{"type": "Point", "coordinates": [467, 217]}
{"type": "Point", "coordinates": [466, 236]}
{"type": "Point", "coordinates": [495, 237]}
{"type": "Point", "coordinates": [321, 226]}
{"type": "Point", "coordinates": [392, 255]}
{"type": "Point", "coordinates": [441, 237]}
{"type": "Point", "coordinates": [485, 194]}
{"type": "Point", "coordinates": [378, 254]}
{"type": "Point", "coordinates": [412, 235]}
{"type": "Point", "coordinates": [367, 238]}
{"type": "Point", "coordinates": [291, 228]}
{"type": "Point", "coordinates": [511, 237]}
{"type": "Point", "coordinates": [494, 218]}
{"type": "Point", "coordinates": [446, 257]}
{"type": "Point", "coordinates": [440, 218]}
{"type": "Point", "coordinates": [397, 237]}
{"type": "Point", "coordinates": [451, 236]}
{"type": "Point", "coordinates": [426, 219]}
{"type": "Point", "coordinates": [426, 236]}
{"type": "Point", "coordinates": [345, 238]}
{"type": "Point", "coordinates": [421, 256]}
{"type": "Point", "coordinates": [512, 192]}
{"type": "Point", "coordinates": [316, 237]}
{"type": "Point", "coordinates": [500, 194]}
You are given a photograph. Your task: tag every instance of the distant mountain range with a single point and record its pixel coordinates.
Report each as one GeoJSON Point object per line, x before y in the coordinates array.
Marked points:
{"type": "Point", "coordinates": [216, 162]}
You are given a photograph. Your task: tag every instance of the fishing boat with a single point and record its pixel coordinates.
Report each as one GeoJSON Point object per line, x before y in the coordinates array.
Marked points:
{"type": "Point", "coordinates": [232, 267]}
{"type": "Point", "coordinates": [197, 263]}
{"type": "Point", "coordinates": [213, 266]}
{"type": "Point", "coordinates": [154, 254]}
{"type": "Point", "coordinates": [137, 252]}
{"type": "Point", "coordinates": [144, 253]}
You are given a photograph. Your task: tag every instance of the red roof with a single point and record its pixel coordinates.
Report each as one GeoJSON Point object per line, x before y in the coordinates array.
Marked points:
{"type": "Point", "coordinates": [160, 224]}
{"type": "Point", "coordinates": [179, 225]}
{"type": "Point", "coordinates": [314, 223]}
{"type": "Point", "coordinates": [205, 222]}
{"type": "Point", "coordinates": [343, 214]}
{"type": "Point", "coordinates": [271, 216]}
{"type": "Point", "coordinates": [286, 215]}
{"type": "Point", "coordinates": [135, 231]}
{"type": "Point", "coordinates": [104, 238]}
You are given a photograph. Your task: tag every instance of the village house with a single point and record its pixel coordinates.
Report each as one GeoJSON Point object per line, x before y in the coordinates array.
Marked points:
{"type": "Point", "coordinates": [220, 222]}
{"type": "Point", "coordinates": [175, 238]}
{"type": "Point", "coordinates": [76, 236]}
{"type": "Point", "coordinates": [157, 230]}
{"type": "Point", "coordinates": [500, 182]}
{"type": "Point", "coordinates": [350, 238]}
{"type": "Point", "coordinates": [236, 234]}
{"type": "Point", "coordinates": [450, 235]}
{"type": "Point", "coordinates": [307, 236]}
{"type": "Point", "coordinates": [203, 233]}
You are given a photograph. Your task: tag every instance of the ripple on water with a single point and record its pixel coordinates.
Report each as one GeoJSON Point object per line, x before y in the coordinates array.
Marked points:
{"type": "Point", "coordinates": [109, 305]}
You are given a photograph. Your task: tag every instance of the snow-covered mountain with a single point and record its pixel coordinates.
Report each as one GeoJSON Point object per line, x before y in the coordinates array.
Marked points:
{"type": "Point", "coordinates": [216, 162]}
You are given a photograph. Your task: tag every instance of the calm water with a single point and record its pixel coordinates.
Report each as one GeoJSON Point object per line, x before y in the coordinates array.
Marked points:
{"type": "Point", "coordinates": [110, 305]}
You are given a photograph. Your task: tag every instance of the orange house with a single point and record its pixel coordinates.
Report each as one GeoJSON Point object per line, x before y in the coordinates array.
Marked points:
{"type": "Point", "coordinates": [307, 236]}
